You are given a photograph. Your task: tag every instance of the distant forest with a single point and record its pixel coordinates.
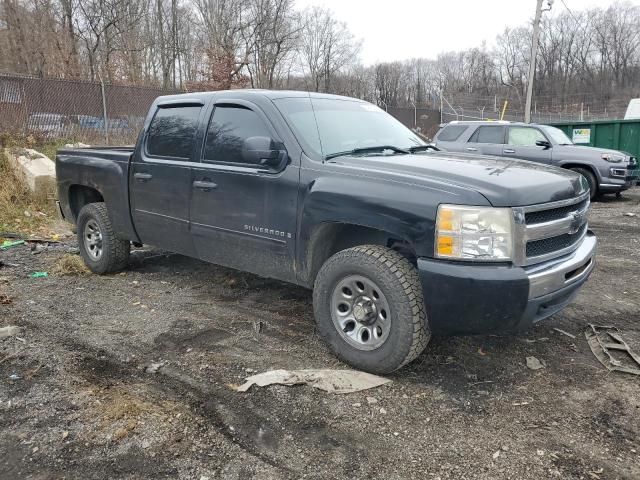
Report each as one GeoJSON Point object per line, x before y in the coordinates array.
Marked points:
{"type": "Point", "coordinates": [588, 55]}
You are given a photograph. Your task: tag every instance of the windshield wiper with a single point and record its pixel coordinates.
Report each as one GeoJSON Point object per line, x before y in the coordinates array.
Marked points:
{"type": "Point", "coordinates": [357, 151]}
{"type": "Point", "coordinates": [423, 148]}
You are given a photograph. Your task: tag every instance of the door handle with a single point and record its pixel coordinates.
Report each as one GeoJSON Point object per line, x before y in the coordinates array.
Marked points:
{"type": "Point", "coordinates": [204, 185]}
{"type": "Point", "coordinates": [472, 149]}
{"type": "Point", "coordinates": [508, 150]}
{"type": "Point", "coordinates": [143, 177]}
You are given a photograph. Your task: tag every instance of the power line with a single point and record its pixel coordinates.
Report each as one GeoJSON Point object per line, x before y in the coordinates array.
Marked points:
{"type": "Point", "coordinates": [570, 12]}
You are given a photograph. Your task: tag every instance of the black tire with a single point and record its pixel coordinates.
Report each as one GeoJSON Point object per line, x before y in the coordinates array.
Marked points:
{"type": "Point", "coordinates": [398, 280]}
{"type": "Point", "coordinates": [591, 180]}
{"type": "Point", "coordinates": [114, 251]}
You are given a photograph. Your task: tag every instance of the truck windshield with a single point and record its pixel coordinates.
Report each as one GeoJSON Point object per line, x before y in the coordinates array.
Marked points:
{"type": "Point", "coordinates": [331, 126]}
{"type": "Point", "coordinates": [557, 135]}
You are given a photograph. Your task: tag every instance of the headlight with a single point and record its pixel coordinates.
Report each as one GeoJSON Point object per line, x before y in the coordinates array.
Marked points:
{"type": "Point", "coordinates": [613, 157]}
{"type": "Point", "coordinates": [475, 233]}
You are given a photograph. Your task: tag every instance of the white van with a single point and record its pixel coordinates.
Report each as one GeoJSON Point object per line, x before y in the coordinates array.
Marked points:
{"type": "Point", "coordinates": [633, 110]}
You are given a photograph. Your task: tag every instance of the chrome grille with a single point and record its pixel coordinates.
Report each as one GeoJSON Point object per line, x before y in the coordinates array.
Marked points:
{"type": "Point", "coordinates": [552, 244]}
{"type": "Point", "coordinates": [542, 216]}
{"type": "Point", "coordinates": [550, 230]}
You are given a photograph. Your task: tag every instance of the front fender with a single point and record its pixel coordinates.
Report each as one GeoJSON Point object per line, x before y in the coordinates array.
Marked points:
{"type": "Point", "coordinates": [405, 211]}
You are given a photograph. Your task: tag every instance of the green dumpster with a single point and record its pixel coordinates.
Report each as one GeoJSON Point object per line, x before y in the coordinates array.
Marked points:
{"type": "Point", "coordinates": [621, 135]}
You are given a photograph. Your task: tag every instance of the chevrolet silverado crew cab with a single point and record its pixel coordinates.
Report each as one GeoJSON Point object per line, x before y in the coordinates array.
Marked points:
{"type": "Point", "coordinates": [606, 171]}
{"type": "Point", "coordinates": [396, 239]}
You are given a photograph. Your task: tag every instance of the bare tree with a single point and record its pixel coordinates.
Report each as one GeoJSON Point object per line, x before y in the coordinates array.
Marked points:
{"type": "Point", "coordinates": [327, 47]}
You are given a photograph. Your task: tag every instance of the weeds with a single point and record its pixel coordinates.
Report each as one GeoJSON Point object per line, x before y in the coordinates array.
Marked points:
{"type": "Point", "coordinates": [70, 265]}
{"type": "Point", "coordinates": [20, 210]}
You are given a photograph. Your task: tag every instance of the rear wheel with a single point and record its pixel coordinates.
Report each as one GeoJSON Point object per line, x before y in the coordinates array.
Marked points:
{"type": "Point", "coordinates": [591, 180]}
{"type": "Point", "coordinates": [369, 308]}
{"type": "Point", "coordinates": [99, 247]}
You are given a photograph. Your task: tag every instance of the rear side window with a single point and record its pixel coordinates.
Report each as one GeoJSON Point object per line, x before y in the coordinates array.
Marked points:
{"type": "Point", "coordinates": [451, 133]}
{"type": "Point", "coordinates": [488, 134]}
{"type": "Point", "coordinates": [172, 132]}
{"type": "Point", "coordinates": [230, 126]}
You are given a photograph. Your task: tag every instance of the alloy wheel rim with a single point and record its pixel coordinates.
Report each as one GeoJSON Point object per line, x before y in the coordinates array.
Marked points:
{"type": "Point", "coordinates": [360, 312]}
{"type": "Point", "coordinates": [93, 240]}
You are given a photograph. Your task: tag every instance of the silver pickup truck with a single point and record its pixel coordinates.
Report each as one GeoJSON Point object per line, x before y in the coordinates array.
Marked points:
{"type": "Point", "coordinates": [606, 171]}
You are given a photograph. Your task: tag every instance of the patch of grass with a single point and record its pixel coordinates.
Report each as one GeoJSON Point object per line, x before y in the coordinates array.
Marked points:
{"type": "Point", "coordinates": [70, 265]}
{"type": "Point", "coordinates": [20, 210]}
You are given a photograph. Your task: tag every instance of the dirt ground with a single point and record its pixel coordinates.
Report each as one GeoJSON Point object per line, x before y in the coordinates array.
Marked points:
{"type": "Point", "coordinates": [76, 401]}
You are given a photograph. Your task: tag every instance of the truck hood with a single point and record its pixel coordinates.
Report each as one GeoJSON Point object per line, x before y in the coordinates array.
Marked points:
{"type": "Point", "coordinates": [503, 182]}
{"type": "Point", "coordinates": [584, 151]}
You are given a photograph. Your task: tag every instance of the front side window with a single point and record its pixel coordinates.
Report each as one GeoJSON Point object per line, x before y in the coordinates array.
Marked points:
{"type": "Point", "coordinates": [525, 136]}
{"type": "Point", "coordinates": [230, 126]}
{"type": "Point", "coordinates": [172, 131]}
{"type": "Point", "coordinates": [488, 134]}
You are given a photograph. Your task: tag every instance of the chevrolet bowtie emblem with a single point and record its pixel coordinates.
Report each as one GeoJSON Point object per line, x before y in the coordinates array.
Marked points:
{"type": "Point", "coordinates": [576, 222]}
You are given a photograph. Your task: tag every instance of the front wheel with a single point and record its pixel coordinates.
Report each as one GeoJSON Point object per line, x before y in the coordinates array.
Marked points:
{"type": "Point", "coordinates": [99, 247]}
{"type": "Point", "coordinates": [369, 308]}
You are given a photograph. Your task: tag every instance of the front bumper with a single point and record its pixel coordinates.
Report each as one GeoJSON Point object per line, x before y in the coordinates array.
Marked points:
{"type": "Point", "coordinates": [468, 298]}
{"type": "Point", "coordinates": [626, 178]}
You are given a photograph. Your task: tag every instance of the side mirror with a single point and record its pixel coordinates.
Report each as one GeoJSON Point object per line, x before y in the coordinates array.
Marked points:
{"type": "Point", "coordinates": [263, 151]}
{"type": "Point", "coordinates": [543, 143]}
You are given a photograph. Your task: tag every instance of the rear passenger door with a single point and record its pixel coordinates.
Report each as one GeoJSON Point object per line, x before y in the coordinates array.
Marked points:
{"type": "Point", "coordinates": [243, 215]}
{"type": "Point", "coordinates": [160, 178]}
{"type": "Point", "coordinates": [487, 140]}
{"type": "Point", "coordinates": [521, 143]}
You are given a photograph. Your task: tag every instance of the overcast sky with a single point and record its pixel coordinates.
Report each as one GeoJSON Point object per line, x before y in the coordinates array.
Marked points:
{"type": "Point", "coordinates": [401, 29]}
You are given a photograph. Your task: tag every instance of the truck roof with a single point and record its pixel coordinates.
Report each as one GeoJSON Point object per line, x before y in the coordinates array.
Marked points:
{"type": "Point", "coordinates": [248, 93]}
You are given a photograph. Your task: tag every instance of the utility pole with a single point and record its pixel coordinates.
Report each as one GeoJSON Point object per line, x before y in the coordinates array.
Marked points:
{"type": "Point", "coordinates": [534, 55]}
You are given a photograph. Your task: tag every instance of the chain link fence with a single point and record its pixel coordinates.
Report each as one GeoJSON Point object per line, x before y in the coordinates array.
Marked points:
{"type": "Point", "coordinates": [77, 111]}
{"type": "Point", "coordinates": [457, 106]}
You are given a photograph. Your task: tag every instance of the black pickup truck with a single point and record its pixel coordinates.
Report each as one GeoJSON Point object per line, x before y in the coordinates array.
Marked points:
{"type": "Point", "coordinates": [397, 239]}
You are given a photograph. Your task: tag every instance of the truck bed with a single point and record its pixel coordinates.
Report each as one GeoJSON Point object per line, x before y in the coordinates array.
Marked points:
{"type": "Point", "coordinates": [101, 173]}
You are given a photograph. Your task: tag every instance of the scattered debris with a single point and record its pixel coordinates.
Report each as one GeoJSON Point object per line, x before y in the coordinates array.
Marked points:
{"type": "Point", "coordinates": [154, 367]}
{"type": "Point", "coordinates": [257, 327]}
{"type": "Point", "coordinates": [570, 335]}
{"type": "Point", "coordinates": [371, 400]}
{"type": "Point", "coordinates": [39, 275]}
{"type": "Point", "coordinates": [11, 235]}
{"type": "Point", "coordinates": [10, 331]}
{"type": "Point", "coordinates": [14, 376]}
{"type": "Point", "coordinates": [5, 299]}
{"type": "Point", "coordinates": [383, 411]}
{"type": "Point", "coordinates": [534, 364]}
{"type": "Point", "coordinates": [603, 340]}
{"type": "Point", "coordinates": [10, 244]}
{"type": "Point", "coordinates": [332, 381]}
{"type": "Point", "coordinates": [481, 352]}
{"type": "Point", "coordinates": [629, 214]}
{"type": "Point", "coordinates": [496, 454]}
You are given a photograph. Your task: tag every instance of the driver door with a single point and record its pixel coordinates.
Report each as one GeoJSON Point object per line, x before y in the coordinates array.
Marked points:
{"type": "Point", "coordinates": [243, 215]}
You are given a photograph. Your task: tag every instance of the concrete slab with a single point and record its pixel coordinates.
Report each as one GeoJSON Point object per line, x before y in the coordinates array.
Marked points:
{"type": "Point", "coordinates": [37, 170]}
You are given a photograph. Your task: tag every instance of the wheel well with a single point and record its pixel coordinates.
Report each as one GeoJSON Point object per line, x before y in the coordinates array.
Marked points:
{"type": "Point", "coordinates": [330, 238]}
{"type": "Point", "coordinates": [580, 165]}
{"type": "Point", "coordinates": [81, 195]}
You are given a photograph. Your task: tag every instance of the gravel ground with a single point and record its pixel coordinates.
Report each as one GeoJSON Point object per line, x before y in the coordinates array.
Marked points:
{"type": "Point", "coordinates": [77, 402]}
